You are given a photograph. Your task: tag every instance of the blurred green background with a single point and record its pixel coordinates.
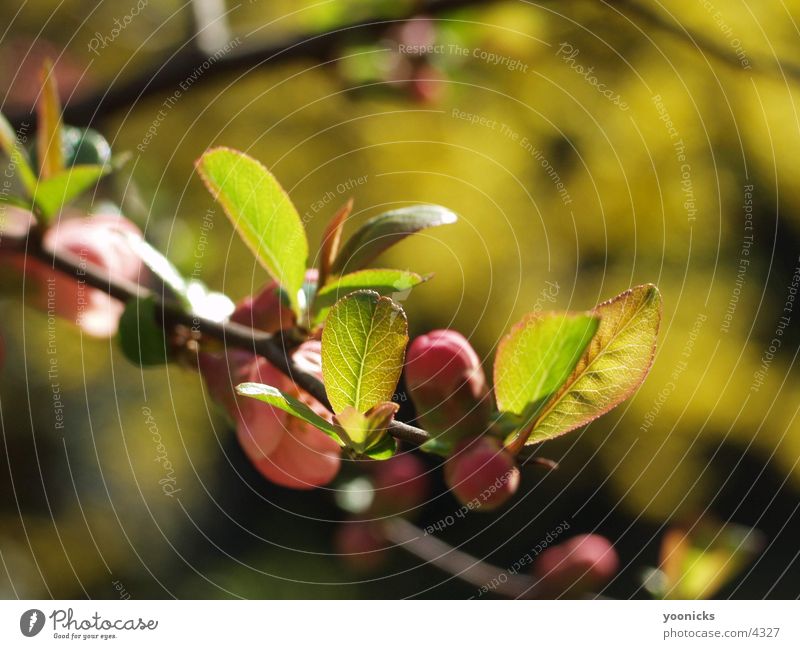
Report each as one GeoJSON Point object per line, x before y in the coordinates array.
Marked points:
{"type": "Point", "coordinates": [489, 123]}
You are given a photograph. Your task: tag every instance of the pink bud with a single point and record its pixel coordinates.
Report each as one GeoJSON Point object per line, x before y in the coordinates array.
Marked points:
{"type": "Point", "coordinates": [260, 427]}
{"type": "Point", "coordinates": [481, 473]}
{"type": "Point", "coordinates": [286, 450]}
{"type": "Point", "coordinates": [305, 457]}
{"type": "Point", "coordinates": [97, 240]}
{"type": "Point", "coordinates": [223, 372]}
{"type": "Point", "coordinates": [578, 565]}
{"type": "Point", "coordinates": [447, 384]}
{"type": "Point", "coordinates": [265, 311]}
{"type": "Point", "coordinates": [401, 484]}
{"type": "Point", "coordinates": [360, 545]}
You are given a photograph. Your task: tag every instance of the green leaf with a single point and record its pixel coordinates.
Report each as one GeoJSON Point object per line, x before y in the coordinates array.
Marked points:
{"type": "Point", "coordinates": [262, 213]}
{"type": "Point", "coordinates": [366, 432]}
{"type": "Point", "coordinates": [48, 137]}
{"type": "Point", "coordinates": [274, 397]}
{"type": "Point", "coordinates": [614, 365]}
{"type": "Point", "coordinates": [385, 281]}
{"type": "Point", "coordinates": [208, 304]}
{"type": "Point", "coordinates": [193, 295]}
{"type": "Point", "coordinates": [140, 336]}
{"type": "Point", "coordinates": [383, 449]}
{"type": "Point", "coordinates": [17, 156]}
{"type": "Point", "coordinates": [536, 357]}
{"type": "Point", "coordinates": [698, 562]}
{"type": "Point", "coordinates": [385, 230]}
{"type": "Point", "coordinates": [159, 265]}
{"type": "Point", "coordinates": [16, 201]}
{"type": "Point", "coordinates": [363, 347]}
{"type": "Point", "coordinates": [55, 192]}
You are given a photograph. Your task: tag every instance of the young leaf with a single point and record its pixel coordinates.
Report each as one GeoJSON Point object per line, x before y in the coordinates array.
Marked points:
{"type": "Point", "coordinates": [261, 212]}
{"type": "Point", "coordinates": [366, 432]}
{"type": "Point", "coordinates": [159, 265]}
{"type": "Point", "coordinates": [536, 357]}
{"type": "Point", "coordinates": [17, 156]}
{"type": "Point", "coordinates": [140, 336]}
{"type": "Point", "coordinates": [385, 281]}
{"type": "Point", "coordinates": [192, 294]}
{"type": "Point", "coordinates": [331, 241]}
{"type": "Point", "coordinates": [16, 201]}
{"type": "Point", "coordinates": [697, 563]}
{"type": "Point", "coordinates": [363, 347]}
{"type": "Point", "coordinates": [614, 365]}
{"type": "Point", "coordinates": [48, 110]}
{"type": "Point", "coordinates": [383, 449]}
{"type": "Point", "coordinates": [56, 191]}
{"type": "Point", "coordinates": [278, 399]}
{"type": "Point", "coordinates": [385, 230]}
{"type": "Point", "coordinates": [208, 304]}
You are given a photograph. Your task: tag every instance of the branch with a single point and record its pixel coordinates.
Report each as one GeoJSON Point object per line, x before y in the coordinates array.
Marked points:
{"type": "Point", "coordinates": [273, 348]}
{"type": "Point", "coordinates": [457, 563]}
{"type": "Point", "coordinates": [706, 45]}
{"type": "Point", "coordinates": [168, 75]}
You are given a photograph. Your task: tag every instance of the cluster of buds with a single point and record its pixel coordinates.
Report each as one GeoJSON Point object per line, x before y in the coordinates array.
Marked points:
{"type": "Point", "coordinates": [451, 395]}
{"type": "Point", "coordinates": [284, 449]}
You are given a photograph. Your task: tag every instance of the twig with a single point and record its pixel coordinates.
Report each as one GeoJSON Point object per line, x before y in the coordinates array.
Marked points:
{"type": "Point", "coordinates": [273, 348]}
{"type": "Point", "coordinates": [167, 76]}
{"type": "Point", "coordinates": [457, 563]}
{"type": "Point", "coordinates": [706, 45]}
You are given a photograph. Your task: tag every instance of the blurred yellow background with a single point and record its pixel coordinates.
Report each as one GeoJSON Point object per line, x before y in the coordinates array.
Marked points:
{"type": "Point", "coordinates": [655, 165]}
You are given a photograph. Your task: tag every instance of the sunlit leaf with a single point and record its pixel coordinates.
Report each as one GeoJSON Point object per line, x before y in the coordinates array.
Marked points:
{"type": "Point", "coordinates": [58, 190]}
{"type": "Point", "coordinates": [696, 563]}
{"type": "Point", "coordinates": [363, 347]}
{"type": "Point", "coordinates": [385, 230]}
{"type": "Point", "coordinates": [614, 365]}
{"type": "Point", "coordinates": [262, 213]}
{"type": "Point", "coordinates": [383, 449]}
{"type": "Point", "coordinates": [49, 138]}
{"type": "Point", "coordinates": [536, 357]}
{"type": "Point", "coordinates": [192, 294]}
{"type": "Point", "coordinates": [386, 281]}
{"type": "Point", "coordinates": [18, 158]}
{"type": "Point", "coordinates": [15, 201]}
{"type": "Point", "coordinates": [158, 264]}
{"type": "Point", "coordinates": [208, 304]}
{"type": "Point", "coordinates": [366, 432]}
{"type": "Point", "coordinates": [277, 398]}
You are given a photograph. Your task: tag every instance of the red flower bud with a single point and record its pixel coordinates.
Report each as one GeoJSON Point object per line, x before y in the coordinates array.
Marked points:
{"type": "Point", "coordinates": [265, 310]}
{"type": "Point", "coordinates": [481, 473]}
{"type": "Point", "coordinates": [401, 484]}
{"type": "Point", "coordinates": [286, 450]}
{"type": "Point", "coordinates": [578, 565]}
{"type": "Point", "coordinates": [447, 384]}
{"type": "Point", "coordinates": [99, 240]}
